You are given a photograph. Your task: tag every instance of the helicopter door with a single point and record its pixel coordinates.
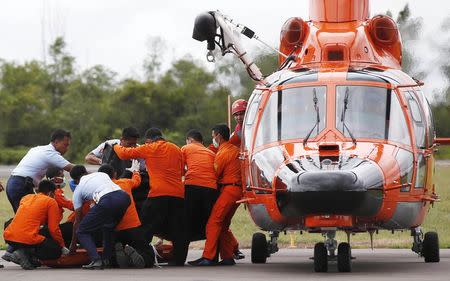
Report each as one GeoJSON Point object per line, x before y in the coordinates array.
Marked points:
{"type": "Point", "coordinates": [419, 127]}
{"type": "Point", "coordinates": [430, 132]}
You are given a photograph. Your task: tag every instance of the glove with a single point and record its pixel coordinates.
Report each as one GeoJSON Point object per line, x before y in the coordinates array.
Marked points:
{"type": "Point", "coordinates": [65, 251]}
{"type": "Point", "coordinates": [135, 165]}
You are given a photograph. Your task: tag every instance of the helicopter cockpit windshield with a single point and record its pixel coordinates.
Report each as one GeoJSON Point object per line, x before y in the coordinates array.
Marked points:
{"type": "Point", "coordinates": [293, 113]}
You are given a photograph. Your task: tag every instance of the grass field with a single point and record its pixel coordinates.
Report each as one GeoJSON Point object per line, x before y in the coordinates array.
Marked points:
{"type": "Point", "coordinates": [438, 220]}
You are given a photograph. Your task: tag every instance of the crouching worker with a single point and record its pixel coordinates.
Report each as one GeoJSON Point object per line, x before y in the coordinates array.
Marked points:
{"type": "Point", "coordinates": [23, 234]}
{"type": "Point", "coordinates": [111, 204]}
{"type": "Point", "coordinates": [137, 252]}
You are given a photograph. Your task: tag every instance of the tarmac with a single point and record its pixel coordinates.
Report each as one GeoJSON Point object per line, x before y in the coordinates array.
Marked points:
{"type": "Point", "coordinates": [287, 264]}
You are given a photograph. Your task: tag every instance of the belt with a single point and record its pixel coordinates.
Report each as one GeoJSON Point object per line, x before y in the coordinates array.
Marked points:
{"type": "Point", "coordinates": [238, 184]}
{"type": "Point", "coordinates": [98, 195]}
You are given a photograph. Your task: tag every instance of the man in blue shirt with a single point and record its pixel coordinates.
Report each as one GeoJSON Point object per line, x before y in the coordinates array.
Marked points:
{"type": "Point", "coordinates": [111, 202]}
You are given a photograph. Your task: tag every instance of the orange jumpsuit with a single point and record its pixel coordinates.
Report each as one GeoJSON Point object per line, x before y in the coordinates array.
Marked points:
{"type": "Point", "coordinates": [130, 219]}
{"type": "Point", "coordinates": [228, 171]}
{"type": "Point", "coordinates": [34, 210]}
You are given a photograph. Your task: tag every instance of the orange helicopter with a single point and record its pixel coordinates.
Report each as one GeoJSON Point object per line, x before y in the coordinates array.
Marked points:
{"type": "Point", "coordinates": [338, 138]}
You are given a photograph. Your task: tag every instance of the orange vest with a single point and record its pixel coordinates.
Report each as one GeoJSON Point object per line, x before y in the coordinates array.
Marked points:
{"type": "Point", "coordinates": [130, 219]}
{"type": "Point", "coordinates": [35, 210]}
{"type": "Point", "coordinates": [200, 165]}
{"type": "Point", "coordinates": [164, 163]}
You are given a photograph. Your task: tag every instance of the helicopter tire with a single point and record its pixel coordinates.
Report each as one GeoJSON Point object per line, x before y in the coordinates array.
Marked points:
{"type": "Point", "coordinates": [320, 258]}
{"type": "Point", "coordinates": [259, 248]}
{"type": "Point", "coordinates": [344, 257]}
{"type": "Point", "coordinates": [430, 247]}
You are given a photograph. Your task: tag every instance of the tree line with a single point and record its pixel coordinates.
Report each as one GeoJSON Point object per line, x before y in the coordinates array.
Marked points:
{"type": "Point", "coordinates": [37, 97]}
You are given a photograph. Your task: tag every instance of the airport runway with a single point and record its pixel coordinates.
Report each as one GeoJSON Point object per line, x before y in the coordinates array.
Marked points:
{"type": "Point", "coordinates": [286, 265]}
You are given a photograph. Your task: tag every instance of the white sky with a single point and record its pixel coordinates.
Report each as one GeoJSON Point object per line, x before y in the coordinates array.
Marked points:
{"type": "Point", "coordinates": [114, 32]}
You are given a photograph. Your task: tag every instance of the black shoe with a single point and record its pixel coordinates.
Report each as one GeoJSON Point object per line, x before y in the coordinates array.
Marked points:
{"type": "Point", "coordinates": [23, 258]}
{"type": "Point", "coordinates": [121, 258]}
{"type": "Point", "coordinates": [97, 264]}
{"type": "Point", "coordinates": [238, 255]}
{"type": "Point", "coordinates": [136, 260]}
{"type": "Point", "coordinates": [227, 262]}
{"type": "Point", "coordinates": [195, 262]}
{"type": "Point", "coordinates": [35, 261]}
{"type": "Point", "coordinates": [10, 257]}
{"type": "Point", "coordinates": [204, 262]}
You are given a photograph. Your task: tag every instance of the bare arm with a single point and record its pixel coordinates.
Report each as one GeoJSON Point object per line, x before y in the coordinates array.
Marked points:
{"type": "Point", "coordinates": [76, 224]}
{"type": "Point", "coordinates": [92, 159]}
{"type": "Point", "coordinates": [68, 167]}
{"type": "Point", "coordinates": [1, 187]}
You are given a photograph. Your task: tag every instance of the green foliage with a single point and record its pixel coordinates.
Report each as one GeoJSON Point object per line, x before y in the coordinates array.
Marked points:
{"type": "Point", "coordinates": [12, 155]}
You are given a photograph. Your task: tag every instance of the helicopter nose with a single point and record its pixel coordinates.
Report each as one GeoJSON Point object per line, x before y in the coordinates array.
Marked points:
{"type": "Point", "coordinates": [354, 191]}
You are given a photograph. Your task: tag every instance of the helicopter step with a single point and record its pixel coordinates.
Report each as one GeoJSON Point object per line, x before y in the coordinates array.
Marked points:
{"type": "Point", "coordinates": [261, 248]}
{"type": "Point", "coordinates": [426, 246]}
{"type": "Point", "coordinates": [326, 251]}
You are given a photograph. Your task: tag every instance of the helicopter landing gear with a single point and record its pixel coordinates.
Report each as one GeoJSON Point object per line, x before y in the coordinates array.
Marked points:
{"type": "Point", "coordinates": [426, 245]}
{"type": "Point", "coordinates": [259, 248]}
{"type": "Point", "coordinates": [273, 242]}
{"type": "Point", "coordinates": [324, 252]}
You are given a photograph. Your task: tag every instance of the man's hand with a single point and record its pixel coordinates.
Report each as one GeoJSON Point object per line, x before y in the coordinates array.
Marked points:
{"type": "Point", "coordinates": [64, 251]}
{"type": "Point", "coordinates": [72, 248]}
{"type": "Point", "coordinates": [1, 187]}
{"type": "Point", "coordinates": [135, 165]}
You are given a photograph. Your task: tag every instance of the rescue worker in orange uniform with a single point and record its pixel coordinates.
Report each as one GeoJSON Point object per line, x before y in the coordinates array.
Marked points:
{"type": "Point", "coordinates": [132, 249]}
{"type": "Point", "coordinates": [228, 172]}
{"type": "Point", "coordinates": [23, 233]}
{"type": "Point", "coordinates": [200, 184]}
{"type": "Point", "coordinates": [238, 110]}
{"type": "Point", "coordinates": [163, 211]}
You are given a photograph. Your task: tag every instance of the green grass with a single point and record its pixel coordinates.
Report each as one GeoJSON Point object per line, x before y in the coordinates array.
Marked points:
{"type": "Point", "coordinates": [443, 152]}
{"type": "Point", "coordinates": [243, 227]}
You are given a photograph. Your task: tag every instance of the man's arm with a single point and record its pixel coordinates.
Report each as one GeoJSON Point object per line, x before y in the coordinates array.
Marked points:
{"type": "Point", "coordinates": [68, 167]}
{"type": "Point", "coordinates": [126, 153]}
{"type": "Point", "coordinates": [53, 223]}
{"type": "Point", "coordinates": [92, 159]}
{"type": "Point", "coordinates": [76, 224]}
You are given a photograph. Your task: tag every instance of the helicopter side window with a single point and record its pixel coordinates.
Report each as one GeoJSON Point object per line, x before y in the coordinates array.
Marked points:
{"type": "Point", "coordinates": [421, 174]}
{"type": "Point", "coordinates": [250, 117]}
{"type": "Point", "coordinates": [428, 118]}
{"type": "Point", "coordinates": [405, 160]}
{"type": "Point", "coordinates": [303, 110]}
{"type": "Point", "coordinates": [267, 128]}
{"type": "Point", "coordinates": [398, 129]}
{"type": "Point", "coordinates": [416, 116]}
{"type": "Point", "coordinates": [361, 111]}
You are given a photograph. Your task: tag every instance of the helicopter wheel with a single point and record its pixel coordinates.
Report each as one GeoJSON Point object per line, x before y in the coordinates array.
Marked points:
{"type": "Point", "coordinates": [259, 248]}
{"type": "Point", "coordinates": [320, 258]}
{"type": "Point", "coordinates": [344, 257]}
{"type": "Point", "coordinates": [430, 247]}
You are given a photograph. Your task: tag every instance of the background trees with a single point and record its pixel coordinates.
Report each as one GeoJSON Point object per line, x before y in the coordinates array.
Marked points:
{"type": "Point", "coordinates": [37, 97]}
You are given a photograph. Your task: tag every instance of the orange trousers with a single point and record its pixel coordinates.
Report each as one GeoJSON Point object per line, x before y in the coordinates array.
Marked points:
{"type": "Point", "coordinates": [217, 228]}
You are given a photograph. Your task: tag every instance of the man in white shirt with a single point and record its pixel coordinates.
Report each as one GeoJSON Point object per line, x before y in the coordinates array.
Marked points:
{"type": "Point", "coordinates": [31, 169]}
{"type": "Point", "coordinates": [111, 202]}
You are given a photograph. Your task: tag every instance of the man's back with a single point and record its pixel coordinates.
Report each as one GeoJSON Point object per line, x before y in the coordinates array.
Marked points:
{"type": "Point", "coordinates": [200, 165]}
{"type": "Point", "coordinates": [90, 185]}
{"type": "Point", "coordinates": [34, 210]}
{"type": "Point", "coordinates": [164, 163]}
{"type": "Point", "coordinates": [227, 164]}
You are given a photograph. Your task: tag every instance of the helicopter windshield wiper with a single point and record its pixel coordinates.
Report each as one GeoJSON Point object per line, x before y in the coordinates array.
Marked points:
{"type": "Point", "coordinates": [344, 110]}
{"type": "Point", "coordinates": [316, 125]}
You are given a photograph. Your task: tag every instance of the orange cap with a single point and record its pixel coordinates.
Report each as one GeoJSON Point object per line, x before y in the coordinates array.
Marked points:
{"type": "Point", "coordinates": [238, 106]}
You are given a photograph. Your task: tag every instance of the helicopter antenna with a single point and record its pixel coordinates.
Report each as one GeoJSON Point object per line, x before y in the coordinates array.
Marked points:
{"type": "Point", "coordinates": [251, 34]}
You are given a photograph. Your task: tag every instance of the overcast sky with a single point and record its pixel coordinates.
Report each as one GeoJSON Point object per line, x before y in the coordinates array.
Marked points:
{"type": "Point", "coordinates": [114, 32]}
